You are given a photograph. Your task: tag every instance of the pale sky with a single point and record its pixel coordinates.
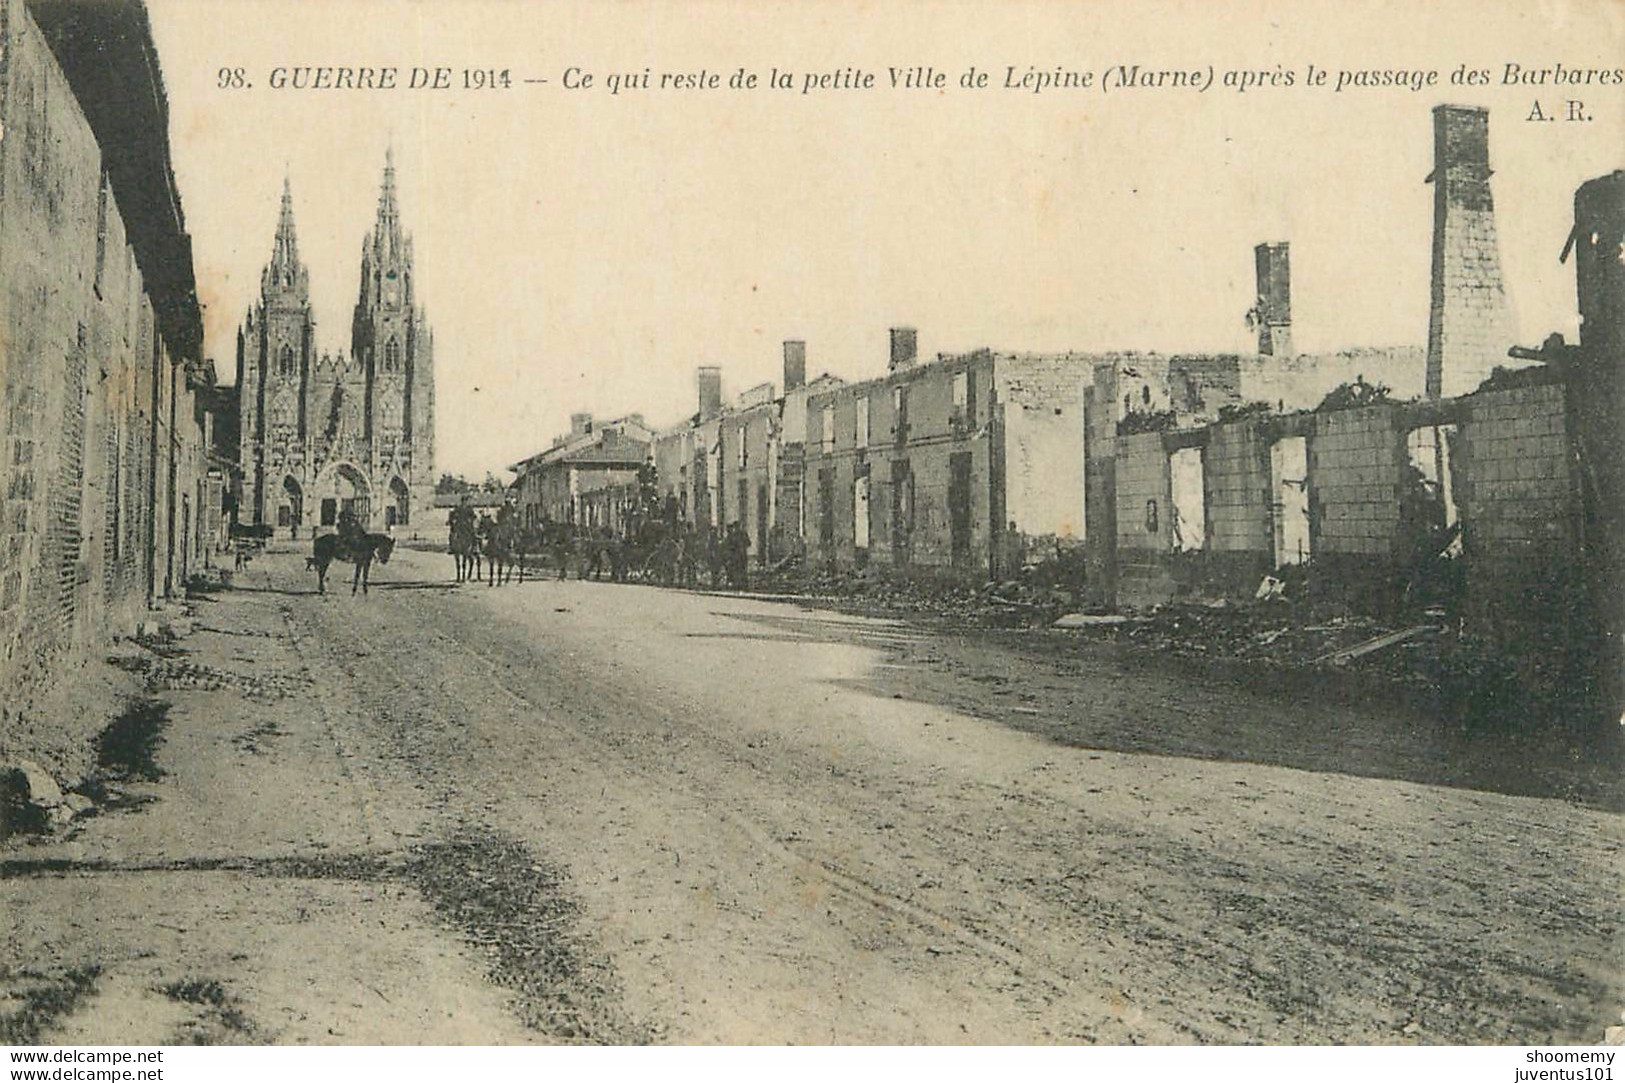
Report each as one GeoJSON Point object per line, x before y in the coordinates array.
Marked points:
{"type": "Point", "coordinates": [582, 251]}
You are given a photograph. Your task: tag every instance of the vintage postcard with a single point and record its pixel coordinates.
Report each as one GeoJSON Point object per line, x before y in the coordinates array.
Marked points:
{"type": "Point", "coordinates": [834, 523]}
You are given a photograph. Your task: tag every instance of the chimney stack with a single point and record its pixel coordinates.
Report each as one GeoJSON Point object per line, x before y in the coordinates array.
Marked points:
{"type": "Point", "coordinates": [580, 424]}
{"type": "Point", "coordinates": [710, 392]}
{"type": "Point", "coordinates": [795, 365]}
{"type": "Point", "coordinates": [904, 348]}
{"type": "Point", "coordinates": [1470, 321]}
{"type": "Point", "coordinates": [1274, 312]}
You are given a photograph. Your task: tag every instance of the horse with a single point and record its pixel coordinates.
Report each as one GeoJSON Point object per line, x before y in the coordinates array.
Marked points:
{"type": "Point", "coordinates": [655, 552]}
{"type": "Point", "coordinates": [360, 552]}
{"type": "Point", "coordinates": [524, 542]}
{"type": "Point", "coordinates": [465, 548]}
{"type": "Point", "coordinates": [556, 540]}
{"type": "Point", "coordinates": [601, 550]}
{"type": "Point", "coordinates": [500, 544]}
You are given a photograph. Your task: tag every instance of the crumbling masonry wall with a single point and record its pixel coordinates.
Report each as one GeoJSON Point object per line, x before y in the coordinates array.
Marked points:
{"type": "Point", "coordinates": [1241, 539]}
{"type": "Point", "coordinates": [1518, 508]}
{"type": "Point", "coordinates": [1043, 442]}
{"type": "Point", "coordinates": [1517, 496]}
{"type": "Point", "coordinates": [1144, 498]}
{"type": "Point", "coordinates": [1357, 464]}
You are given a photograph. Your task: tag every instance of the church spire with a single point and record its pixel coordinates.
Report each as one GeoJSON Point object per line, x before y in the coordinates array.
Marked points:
{"type": "Point", "coordinates": [388, 230]}
{"type": "Point", "coordinates": [284, 272]}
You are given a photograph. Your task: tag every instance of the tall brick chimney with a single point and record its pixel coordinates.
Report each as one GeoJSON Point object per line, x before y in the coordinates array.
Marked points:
{"type": "Point", "coordinates": [710, 392]}
{"type": "Point", "coordinates": [580, 424]}
{"type": "Point", "coordinates": [1274, 312]}
{"type": "Point", "coordinates": [795, 364]}
{"type": "Point", "coordinates": [904, 348]}
{"type": "Point", "coordinates": [1470, 321]}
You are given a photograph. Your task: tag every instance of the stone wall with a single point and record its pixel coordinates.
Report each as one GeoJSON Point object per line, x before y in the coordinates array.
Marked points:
{"type": "Point", "coordinates": [1519, 513]}
{"type": "Point", "coordinates": [1144, 538]}
{"type": "Point", "coordinates": [1043, 442]}
{"type": "Point", "coordinates": [101, 456]}
{"type": "Point", "coordinates": [1241, 540]}
{"type": "Point", "coordinates": [1515, 489]}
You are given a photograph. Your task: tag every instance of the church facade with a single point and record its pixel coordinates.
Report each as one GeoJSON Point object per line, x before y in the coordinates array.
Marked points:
{"type": "Point", "coordinates": [325, 433]}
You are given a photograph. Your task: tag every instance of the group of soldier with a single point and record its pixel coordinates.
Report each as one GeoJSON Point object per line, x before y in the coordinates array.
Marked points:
{"type": "Point", "coordinates": [660, 547]}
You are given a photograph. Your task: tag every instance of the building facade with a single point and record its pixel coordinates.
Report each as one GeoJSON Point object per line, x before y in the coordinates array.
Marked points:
{"type": "Point", "coordinates": [325, 433]}
{"type": "Point", "coordinates": [589, 477]}
{"type": "Point", "coordinates": [961, 466]}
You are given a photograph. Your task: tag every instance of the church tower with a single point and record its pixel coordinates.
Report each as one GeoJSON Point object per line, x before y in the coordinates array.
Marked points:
{"type": "Point", "coordinates": [326, 434]}
{"type": "Point", "coordinates": [391, 346]}
{"type": "Point", "coordinates": [273, 363]}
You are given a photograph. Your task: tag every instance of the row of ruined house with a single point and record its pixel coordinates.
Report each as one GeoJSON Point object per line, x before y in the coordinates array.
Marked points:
{"type": "Point", "coordinates": [1163, 478]}
{"type": "Point", "coordinates": [1453, 475]}
{"type": "Point", "coordinates": [1152, 469]}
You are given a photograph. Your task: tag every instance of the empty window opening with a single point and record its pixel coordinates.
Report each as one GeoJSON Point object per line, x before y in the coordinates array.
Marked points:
{"type": "Point", "coordinates": [1189, 500]}
{"type": "Point", "coordinates": [1428, 498]}
{"type": "Point", "coordinates": [860, 512]}
{"type": "Point", "coordinates": [1289, 482]}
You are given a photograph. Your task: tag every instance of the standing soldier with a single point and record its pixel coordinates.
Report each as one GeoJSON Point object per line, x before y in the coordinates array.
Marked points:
{"type": "Point", "coordinates": [737, 555]}
{"type": "Point", "coordinates": [350, 531]}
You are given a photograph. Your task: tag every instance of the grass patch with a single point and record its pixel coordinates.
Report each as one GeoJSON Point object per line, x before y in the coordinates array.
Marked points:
{"type": "Point", "coordinates": [127, 749]}
{"type": "Point", "coordinates": [34, 1000]}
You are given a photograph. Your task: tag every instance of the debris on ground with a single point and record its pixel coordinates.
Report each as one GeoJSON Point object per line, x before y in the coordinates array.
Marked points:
{"type": "Point", "coordinates": [30, 800]}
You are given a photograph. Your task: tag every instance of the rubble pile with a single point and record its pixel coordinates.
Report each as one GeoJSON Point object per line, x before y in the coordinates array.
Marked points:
{"type": "Point", "coordinates": [1284, 628]}
{"type": "Point", "coordinates": [166, 671]}
{"type": "Point", "coordinates": [1027, 603]}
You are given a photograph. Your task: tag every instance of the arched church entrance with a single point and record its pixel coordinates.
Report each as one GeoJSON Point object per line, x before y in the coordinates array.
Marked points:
{"type": "Point", "coordinates": [290, 511]}
{"type": "Point", "coordinates": [398, 510]}
{"type": "Point", "coordinates": [344, 489]}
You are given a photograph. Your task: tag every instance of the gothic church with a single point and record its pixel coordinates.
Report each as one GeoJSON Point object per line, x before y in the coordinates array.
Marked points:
{"type": "Point", "coordinates": [322, 434]}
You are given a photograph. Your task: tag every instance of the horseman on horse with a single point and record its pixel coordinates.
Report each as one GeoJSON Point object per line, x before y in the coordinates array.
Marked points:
{"type": "Point", "coordinates": [351, 543]}
{"type": "Point", "coordinates": [465, 543]}
{"type": "Point", "coordinates": [503, 543]}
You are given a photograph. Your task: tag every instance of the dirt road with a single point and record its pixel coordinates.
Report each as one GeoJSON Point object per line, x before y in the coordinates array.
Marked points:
{"type": "Point", "coordinates": [580, 811]}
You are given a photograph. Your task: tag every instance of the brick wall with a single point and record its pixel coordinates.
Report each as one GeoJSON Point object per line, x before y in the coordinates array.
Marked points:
{"type": "Point", "coordinates": [1357, 465]}
{"type": "Point", "coordinates": [1241, 542]}
{"type": "Point", "coordinates": [1044, 442]}
{"type": "Point", "coordinates": [89, 448]}
{"type": "Point", "coordinates": [755, 430]}
{"type": "Point", "coordinates": [1300, 382]}
{"type": "Point", "coordinates": [1355, 470]}
{"type": "Point", "coordinates": [909, 466]}
{"type": "Point", "coordinates": [1144, 538]}
{"type": "Point", "coordinates": [1519, 509]}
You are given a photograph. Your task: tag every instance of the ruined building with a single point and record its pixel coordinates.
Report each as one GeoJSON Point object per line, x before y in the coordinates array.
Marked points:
{"type": "Point", "coordinates": [325, 433]}
{"type": "Point", "coordinates": [1596, 406]}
